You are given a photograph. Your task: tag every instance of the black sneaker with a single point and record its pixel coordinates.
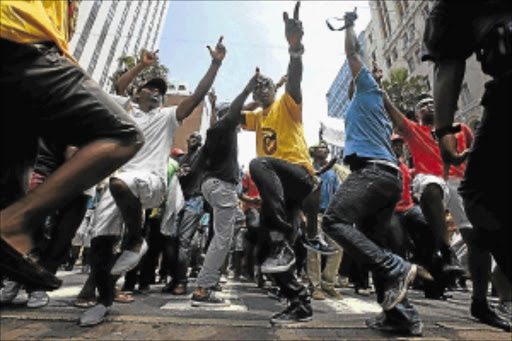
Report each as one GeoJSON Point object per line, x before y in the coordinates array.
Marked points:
{"type": "Point", "coordinates": [396, 289]}
{"type": "Point", "coordinates": [318, 244]}
{"type": "Point", "coordinates": [281, 259]}
{"type": "Point", "coordinates": [203, 297]}
{"type": "Point", "coordinates": [295, 313]}
{"type": "Point", "coordinates": [381, 323]}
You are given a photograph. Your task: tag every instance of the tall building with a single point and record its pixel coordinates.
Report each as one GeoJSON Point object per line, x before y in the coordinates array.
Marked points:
{"type": "Point", "coordinates": [107, 30]}
{"type": "Point", "coordinates": [394, 39]}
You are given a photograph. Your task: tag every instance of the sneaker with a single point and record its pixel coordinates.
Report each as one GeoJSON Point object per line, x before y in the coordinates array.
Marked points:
{"type": "Point", "coordinates": [129, 260]}
{"type": "Point", "coordinates": [363, 292]}
{"type": "Point", "coordinates": [204, 297]}
{"type": "Point", "coordinates": [223, 279]}
{"type": "Point", "coordinates": [381, 323]}
{"type": "Point", "coordinates": [318, 294]}
{"type": "Point", "coordinates": [37, 299]}
{"type": "Point", "coordinates": [94, 315]}
{"type": "Point", "coordinates": [318, 244]}
{"type": "Point", "coordinates": [281, 259]}
{"type": "Point", "coordinates": [295, 313]}
{"type": "Point", "coordinates": [180, 289]}
{"type": "Point", "coordinates": [217, 287]}
{"type": "Point", "coordinates": [395, 290]}
{"type": "Point", "coordinates": [484, 314]}
{"type": "Point", "coordinates": [9, 291]}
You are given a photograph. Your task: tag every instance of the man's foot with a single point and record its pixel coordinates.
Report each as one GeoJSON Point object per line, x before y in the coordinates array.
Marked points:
{"type": "Point", "coordinates": [484, 314]}
{"type": "Point", "coordinates": [363, 292]}
{"type": "Point", "coordinates": [280, 260]}
{"type": "Point", "coordinates": [332, 293]}
{"type": "Point", "coordinates": [169, 287]}
{"type": "Point", "coordinates": [123, 297]}
{"type": "Point", "coordinates": [84, 303]}
{"type": "Point", "coordinates": [295, 313]}
{"type": "Point", "coordinates": [180, 289]}
{"type": "Point", "coordinates": [318, 294]}
{"type": "Point", "coordinates": [318, 244]}
{"type": "Point", "coordinates": [94, 316]}
{"type": "Point", "coordinates": [205, 297]}
{"type": "Point", "coordinates": [9, 291]}
{"type": "Point", "coordinates": [217, 287]}
{"type": "Point", "coordinates": [37, 299]}
{"type": "Point", "coordinates": [275, 293]}
{"type": "Point", "coordinates": [129, 260]}
{"type": "Point", "coordinates": [381, 323]}
{"type": "Point", "coordinates": [396, 289]}
{"type": "Point", "coordinates": [25, 269]}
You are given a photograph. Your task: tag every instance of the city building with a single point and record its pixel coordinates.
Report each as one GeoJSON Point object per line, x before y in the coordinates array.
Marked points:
{"type": "Point", "coordinates": [107, 30]}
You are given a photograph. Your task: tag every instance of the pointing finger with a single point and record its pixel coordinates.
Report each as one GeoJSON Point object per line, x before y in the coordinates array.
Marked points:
{"type": "Point", "coordinates": [220, 40]}
{"type": "Point", "coordinates": [296, 11]}
{"type": "Point", "coordinates": [285, 16]}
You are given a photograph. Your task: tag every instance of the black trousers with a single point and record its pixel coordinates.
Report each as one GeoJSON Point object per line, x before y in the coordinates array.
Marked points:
{"type": "Point", "coordinates": [283, 187]}
{"type": "Point", "coordinates": [102, 260]}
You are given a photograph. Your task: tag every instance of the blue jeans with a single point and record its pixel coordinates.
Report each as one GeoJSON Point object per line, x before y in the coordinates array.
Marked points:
{"type": "Point", "coordinates": [357, 219]}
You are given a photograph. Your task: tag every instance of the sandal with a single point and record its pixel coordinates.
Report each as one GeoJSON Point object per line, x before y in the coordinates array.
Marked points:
{"type": "Point", "coordinates": [25, 269]}
{"type": "Point", "coordinates": [123, 297]}
{"type": "Point", "coordinates": [84, 302]}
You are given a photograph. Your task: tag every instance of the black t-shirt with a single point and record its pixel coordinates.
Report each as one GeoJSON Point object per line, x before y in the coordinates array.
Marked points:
{"type": "Point", "coordinates": [191, 183]}
{"type": "Point", "coordinates": [221, 150]}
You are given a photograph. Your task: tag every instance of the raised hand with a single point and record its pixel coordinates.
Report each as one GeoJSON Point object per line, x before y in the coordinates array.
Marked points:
{"type": "Point", "coordinates": [293, 28]}
{"type": "Point", "coordinates": [253, 82]}
{"type": "Point", "coordinates": [149, 58]}
{"type": "Point", "coordinates": [220, 51]}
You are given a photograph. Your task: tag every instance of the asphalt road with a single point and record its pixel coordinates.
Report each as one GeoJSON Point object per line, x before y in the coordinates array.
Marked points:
{"type": "Point", "coordinates": [158, 316]}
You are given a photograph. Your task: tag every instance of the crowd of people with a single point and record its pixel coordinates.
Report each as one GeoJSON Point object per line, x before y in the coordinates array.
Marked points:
{"type": "Point", "coordinates": [106, 182]}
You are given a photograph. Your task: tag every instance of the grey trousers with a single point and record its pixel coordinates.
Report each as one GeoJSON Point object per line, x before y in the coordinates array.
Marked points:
{"type": "Point", "coordinates": [223, 199]}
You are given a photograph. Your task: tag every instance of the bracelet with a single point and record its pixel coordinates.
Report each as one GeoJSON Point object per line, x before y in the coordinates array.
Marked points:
{"type": "Point", "coordinates": [216, 61]}
{"type": "Point", "coordinates": [297, 52]}
{"type": "Point", "coordinates": [440, 132]}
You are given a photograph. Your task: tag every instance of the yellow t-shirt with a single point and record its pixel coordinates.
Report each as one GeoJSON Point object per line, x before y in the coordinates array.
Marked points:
{"type": "Point", "coordinates": [32, 21]}
{"type": "Point", "coordinates": [279, 132]}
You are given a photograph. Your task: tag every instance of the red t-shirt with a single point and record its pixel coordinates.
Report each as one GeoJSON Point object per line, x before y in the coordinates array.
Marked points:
{"type": "Point", "coordinates": [425, 149]}
{"type": "Point", "coordinates": [406, 202]}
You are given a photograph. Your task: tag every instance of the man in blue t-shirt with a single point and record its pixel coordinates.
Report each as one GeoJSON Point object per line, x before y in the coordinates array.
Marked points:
{"type": "Point", "coordinates": [360, 211]}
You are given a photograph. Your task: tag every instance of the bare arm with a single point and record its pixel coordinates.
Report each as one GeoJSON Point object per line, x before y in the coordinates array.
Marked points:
{"type": "Point", "coordinates": [448, 76]}
{"type": "Point", "coordinates": [186, 107]}
{"type": "Point", "coordinates": [294, 33]}
{"type": "Point", "coordinates": [127, 78]}
{"type": "Point", "coordinates": [395, 115]}
{"type": "Point", "coordinates": [353, 49]}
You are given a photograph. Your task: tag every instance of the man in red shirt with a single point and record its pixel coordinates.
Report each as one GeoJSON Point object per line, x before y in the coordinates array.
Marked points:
{"type": "Point", "coordinates": [436, 187]}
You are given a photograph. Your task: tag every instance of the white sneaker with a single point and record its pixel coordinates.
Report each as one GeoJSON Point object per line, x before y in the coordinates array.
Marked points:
{"type": "Point", "coordinates": [37, 299]}
{"type": "Point", "coordinates": [9, 292]}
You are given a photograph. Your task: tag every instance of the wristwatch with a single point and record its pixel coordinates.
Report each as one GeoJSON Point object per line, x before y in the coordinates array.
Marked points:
{"type": "Point", "coordinates": [440, 132]}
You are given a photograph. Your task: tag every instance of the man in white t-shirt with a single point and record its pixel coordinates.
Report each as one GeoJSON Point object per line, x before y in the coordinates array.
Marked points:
{"type": "Point", "coordinates": [140, 183]}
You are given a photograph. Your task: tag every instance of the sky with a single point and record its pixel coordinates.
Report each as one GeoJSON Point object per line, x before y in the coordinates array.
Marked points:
{"type": "Point", "coordinates": [254, 37]}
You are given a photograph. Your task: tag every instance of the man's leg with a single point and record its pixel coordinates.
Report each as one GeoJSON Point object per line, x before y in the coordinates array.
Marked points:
{"type": "Point", "coordinates": [224, 201]}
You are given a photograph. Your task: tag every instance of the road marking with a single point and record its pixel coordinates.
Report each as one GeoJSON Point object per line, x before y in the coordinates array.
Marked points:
{"type": "Point", "coordinates": [353, 305]}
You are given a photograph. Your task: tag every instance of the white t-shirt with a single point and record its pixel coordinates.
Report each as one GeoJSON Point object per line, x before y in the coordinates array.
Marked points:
{"type": "Point", "coordinates": [158, 127]}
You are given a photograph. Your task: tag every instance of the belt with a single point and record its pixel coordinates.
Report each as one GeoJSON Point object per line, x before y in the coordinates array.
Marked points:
{"type": "Point", "coordinates": [383, 167]}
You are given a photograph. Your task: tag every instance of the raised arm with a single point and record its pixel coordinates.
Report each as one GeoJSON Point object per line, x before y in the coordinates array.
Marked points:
{"type": "Point", "coordinates": [294, 33]}
{"type": "Point", "coordinates": [394, 114]}
{"type": "Point", "coordinates": [186, 107]}
{"type": "Point", "coordinates": [127, 78]}
{"type": "Point", "coordinates": [238, 104]}
{"type": "Point", "coordinates": [448, 76]}
{"type": "Point", "coordinates": [352, 47]}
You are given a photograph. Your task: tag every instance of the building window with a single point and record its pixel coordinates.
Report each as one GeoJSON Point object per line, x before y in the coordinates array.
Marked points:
{"type": "Point", "coordinates": [101, 39]}
{"type": "Point", "coordinates": [394, 55]}
{"type": "Point", "coordinates": [388, 62]}
{"type": "Point", "coordinates": [84, 35]}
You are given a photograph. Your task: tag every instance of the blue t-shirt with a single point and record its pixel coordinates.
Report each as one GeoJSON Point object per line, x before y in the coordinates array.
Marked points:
{"type": "Point", "coordinates": [367, 126]}
{"type": "Point", "coordinates": [328, 187]}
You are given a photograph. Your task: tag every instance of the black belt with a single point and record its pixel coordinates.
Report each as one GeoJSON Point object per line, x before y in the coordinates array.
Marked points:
{"type": "Point", "coordinates": [378, 166]}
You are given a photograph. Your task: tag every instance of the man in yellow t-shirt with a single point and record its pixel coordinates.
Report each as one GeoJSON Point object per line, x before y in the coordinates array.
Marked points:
{"type": "Point", "coordinates": [57, 101]}
{"type": "Point", "coordinates": [282, 171]}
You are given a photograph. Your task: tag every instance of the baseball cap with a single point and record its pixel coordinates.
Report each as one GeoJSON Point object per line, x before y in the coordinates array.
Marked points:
{"type": "Point", "coordinates": [156, 82]}
{"type": "Point", "coordinates": [177, 151]}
